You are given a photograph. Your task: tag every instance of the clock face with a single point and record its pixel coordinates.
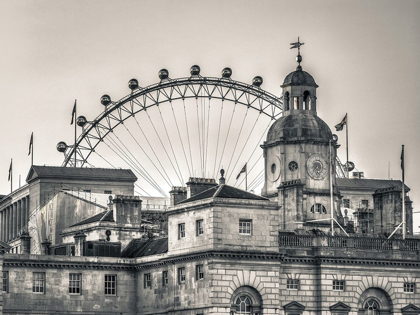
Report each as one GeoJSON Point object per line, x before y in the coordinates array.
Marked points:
{"type": "Point", "coordinates": [273, 168]}
{"type": "Point", "coordinates": [293, 166]}
{"type": "Point", "coordinates": [317, 166]}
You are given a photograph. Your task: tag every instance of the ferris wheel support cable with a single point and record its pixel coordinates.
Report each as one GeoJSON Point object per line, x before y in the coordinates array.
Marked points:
{"type": "Point", "coordinates": [217, 143]}
{"type": "Point", "coordinates": [255, 180]}
{"type": "Point", "coordinates": [258, 183]}
{"type": "Point", "coordinates": [135, 166]}
{"type": "Point", "coordinates": [207, 136]}
{"type": "Point", "coordinates": [172, 148]}
{"type": "Point", "coordinates": [199, 136]}
{"type": "Point", "coordinates": [237, 140]}
{"type": "Point", "coordinates": [168, 179]}
{"type": "Point", "coordinates": [163, 146]}
{"type": "Point", "coordinates": [250, 169]}
{"type": "Point", "coordinates": [227, 136]}
{"type": "Point", "coordinates": [188, 136]}
{"type": "Point", "coordinates": [203, 133]}
{"type": "Point", "coordinates": [244, 146]}
{"type": "Point", "coordinates": [180, 138]}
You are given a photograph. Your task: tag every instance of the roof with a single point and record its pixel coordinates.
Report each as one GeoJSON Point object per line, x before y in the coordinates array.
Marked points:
{"type": "Point", "coordinates": [299, 77]}
{"type": "Point", "coordinates": [223, 191]}
{"type": "Point", "coordinates": [37, 171]}
{"type": "Point", "coordinates": [368, 183]}
{"type": "Point", "coordinates": [103, 216]}
{"type": "Point", "coordinates": [141, 247]}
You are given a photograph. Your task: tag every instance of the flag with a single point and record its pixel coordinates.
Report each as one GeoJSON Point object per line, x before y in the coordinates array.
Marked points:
{"type": "Point", "coordinates": [402, 162]}
{"type": "Point", "coordinates": [341, 125]}
{"type": "Point", "coordinates": [31, 143]}
{"type": "Point", "coordinates": [73, 113]}
{"type": "Point", "coordinates": [10, 170]}
{"type": "Point", "coordinates": [243, 170]}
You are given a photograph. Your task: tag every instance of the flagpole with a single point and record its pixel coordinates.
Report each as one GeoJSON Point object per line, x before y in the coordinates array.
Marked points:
{"type": "Point", "coordinates": [11, 175]}
{"type": "Point", "coordinates": [246, 178]}
{"type": "Point", "coordinates": [347, 145]}
{"type": "Point", "coordinates": [75, 131]}
{"type": "Point", "coordinates": [403, 194]}
{"type": "Point", "coordinates": [331, 193]}
{"type": "Point", "coordinates": [32, 149]}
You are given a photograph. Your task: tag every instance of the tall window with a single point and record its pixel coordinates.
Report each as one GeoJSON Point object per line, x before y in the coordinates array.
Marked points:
{"type": "Point", "coordinates": [181, 230]}
{"type": "Point", "coordinates": [296, 102]}
{"type": "Point", "coordinates": [75, 283]}
{"type": "Point", "coordinates": [110, 284]}
{"type": "Point", "coordinates": [338, 285]}
{"type": "Point", "coordinates": [245, 226]}
{"type": "Point", "coordinates": [409, 287]}
{"type": "Point", "coordinates": [38, 282]}
{"type": "Point", "coordinates": [199, 227]}
{"type": "Point", "coordinates": [165, 278]}
{"type": "Point", "coordinates": [5, 282]}
{"type": "Point", "coordinates": [181, 275]}
{"type": "Point", "coordinates": [199, 272]}
{"type": "Point", "coordinates": [287, 101]}
{"type": "Point", "coordinates": [292, 284]}
{"type": "Point", "coordinates": [147, 280]}
{"type": "Point", "coordinates": [306, 100]}
{"type": "Point", "coordinates": [243, 305]}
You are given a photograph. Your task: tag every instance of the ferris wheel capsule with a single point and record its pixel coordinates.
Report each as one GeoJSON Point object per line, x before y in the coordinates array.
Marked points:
{"type": "Point", "coordinates": [133, 84]}
{"type": "Point", "coordinates": [81, 121]}
{"type": "Point", "coordinates": [195, 70]}
{"type": "Point", "coordinates": [163, 74]}
{"type": "Point", "coordinates": [61, 146]}
{"type": "Point", "coordinates": [257, 81]}
{"type": "Point", "coordinates": [226, 73]}
{"type": "Point", "coordinates": [105, 99]}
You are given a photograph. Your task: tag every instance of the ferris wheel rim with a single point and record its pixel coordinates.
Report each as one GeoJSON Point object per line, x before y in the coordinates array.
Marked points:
{"type": "Point", "coordinates": [273, 103]}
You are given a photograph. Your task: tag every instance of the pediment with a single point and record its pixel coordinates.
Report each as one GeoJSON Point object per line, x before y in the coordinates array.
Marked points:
{"type": "Point", "coordinates": [410, 309]}
{"type": "Point", "coordinates": [340, 307]}
{"type": "Point", "coordinates": [31, 175]}
{"type": "Point", "coordinates": [294, 306]}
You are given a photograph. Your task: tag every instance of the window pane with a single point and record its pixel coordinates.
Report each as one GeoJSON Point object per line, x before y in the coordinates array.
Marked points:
{"type": "Point", "coordinates": [38, 282]}
{"type": "Point", "coordinates": [110, 284]}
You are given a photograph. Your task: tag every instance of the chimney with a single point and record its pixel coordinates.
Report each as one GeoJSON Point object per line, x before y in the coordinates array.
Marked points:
{"type": "Point", "coordinates": [45, 247]}
{"type": "Point", "coordinates": [25, 243]}
{"type": "Point", "coordinates": [79, 241]}
{"type": "Point", "coordinates": [127, 210]}
{"type": "Point", "coordinates": [178, 194]}
{"type": "Point", "coordinates": [196, 185]}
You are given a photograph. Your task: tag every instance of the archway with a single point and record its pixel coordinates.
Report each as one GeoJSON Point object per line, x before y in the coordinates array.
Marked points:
{"type": "Point", "coordinates": [375, 301]}
{"type": "Point", "coordinates": [246, 300]}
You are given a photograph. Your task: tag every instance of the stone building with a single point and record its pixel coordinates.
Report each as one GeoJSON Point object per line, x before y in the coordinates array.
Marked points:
{"type": "Point", "coordinates": [219, 249]}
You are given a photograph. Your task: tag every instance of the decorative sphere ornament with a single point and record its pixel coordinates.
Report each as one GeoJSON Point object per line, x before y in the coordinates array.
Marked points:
{"type": "Point", "coordinates": [335, 137]}
{"type": "Point", "coordinates": [133, 84]}
{"type": "Point", "coordinates": [81, 121]}
{"type": "Point", "coordinates": [227, 73]}
{"type": "Point", "coordinates": [195, 70]}
{"type": "Point", "coordinates": [61, 146]}
{"type": "Point", "coordinates": [163, 74]}
{"type": "Point", "coordinates": [105, 100]}
{"type": "Point", "coordinates": [299, 58]}
{"type": "Point", "coordinates": [257, 81]}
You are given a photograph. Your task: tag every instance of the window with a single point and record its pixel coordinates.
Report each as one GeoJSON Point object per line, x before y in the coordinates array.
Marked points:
{"type": "Point", "coordinates": [199, 272]}
{"type": "Point", "coordinates": [296, 102]}
{"type": "Point", "coordinates": [243, 305]}
{"type": "Point", "coordinates": [181, 230]}
{"type": "Point", "coordinates": [338, 285]}
{"type": "Point", "coordinates": [181, 275]}
{"type": "Point", "coordinates": [5, 281]}
{"type": "Point", "coordinates": [75, 283]}
{"type": "Point", "coordinates": [346, 203]}
{"type": "Point", "coordinates": [87, 190]}
{"type": "Point", "coordinates": [110, 284]}
{"type": "Point", "coordinates": [108, 192]}
{"type": "Point", "coordinates": [365, 203]}
{"type": "Point", "coordinates": [287, 100]}
{"type": "Point", "coordinates": [306, 100]}
{"type": "Point", "coordinates": [293, 284]}
{"type": "Point", "coordinates": [165, 278]}
{"type": "Point", "coordinates": [372, 307]}
{"type": "Point", "coordinates": [38, 282]}
{"type": "Point", "coordinates": [199, 227]}
{"type": "Point", "coordinates": [245, 226]}
{"type": "Point", "coordinates": [147, 280]}
{"type": "Point", "coordinates": [318, 208]}
{"type": "Point", "coordinates": [409, 287]}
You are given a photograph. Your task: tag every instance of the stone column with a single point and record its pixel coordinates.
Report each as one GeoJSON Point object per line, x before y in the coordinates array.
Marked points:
{"type": "Point", "coordinates": [9, 223]}
{"type": "Point", "coordinates": [19, 216]}
{"type": "Point", "coordinates": [25, 243]}
{"type": "Point", "coordinates": [23, 214]}
{"type": "Point", "coordinates": [79, 240]}
{"type": "Point", "coordinates": [14, 218]}
{"type": "Point", "coordinates": [28, 209]}
{"type": "Point", "coordinates": [2, 225]}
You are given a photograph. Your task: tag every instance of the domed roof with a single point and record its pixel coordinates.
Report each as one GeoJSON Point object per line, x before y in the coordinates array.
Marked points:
{"type": "Point", "coordinates": [299, 77]}
{"type": "Point", "coordinates": [302, 126]}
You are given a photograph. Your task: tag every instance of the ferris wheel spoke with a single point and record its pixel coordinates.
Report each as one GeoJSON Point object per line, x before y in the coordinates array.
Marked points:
{"type": "Point", "coordinates": [227, 136]}
{"type": "Point", "coordinates": [250, 170]}
{"type": "Point", "coordinates": [258, 180]}
{"type": "Point", "coordinates": [188, 137]}
{"type": "Point", "coordinates": [207, 136]}
{"type": "Point", "coordinates": [199, 137]}
{"type": "Point", "coordinates": [218, 137]}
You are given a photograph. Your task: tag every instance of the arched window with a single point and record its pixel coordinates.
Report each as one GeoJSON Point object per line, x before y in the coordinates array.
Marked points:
{"type": "Point", "coordinates": [243, 305]}
{"type": "Point", "coordinates": [296, 102]}
{"type": "Point", "coordinates": [306, 100]}
{"type": "Point", "coordinates": [318, 208]}
{"type": "Point", "coordinates": [286, 101]}
{"type": "Point", "coordinates": [372, 307]}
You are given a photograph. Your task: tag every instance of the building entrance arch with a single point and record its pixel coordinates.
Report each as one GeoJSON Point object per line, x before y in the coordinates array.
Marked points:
{"type": "Point", "coordinates": [375, 301]}
{"type": "Point", "coordinates": [246, 300]}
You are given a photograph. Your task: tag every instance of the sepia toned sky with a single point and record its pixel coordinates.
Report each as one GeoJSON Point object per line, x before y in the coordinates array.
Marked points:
{"type": "Point", "coordinates": [364, 55]}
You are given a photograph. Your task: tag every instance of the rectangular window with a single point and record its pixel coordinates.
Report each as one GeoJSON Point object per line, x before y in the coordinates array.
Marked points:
{"type": "Point", "coordinates": [75, 283]}
{"type": "Point", "coordinates": [245, 226]}
{"type": "Point", "coordinates": [165, 278]}
{"type": "Point", "coordinates": [346, 203]}
{"type": "Point", "coordinates": [409, 287]}
{"type": "Point", "coordinates": [38, 282]}
{"type": "Point", "coordinates": [199, 272]}
{"type": "Point", "coordinates": [199, 227]}
{"type": "Point", "coordinates": [181, 230]}
{"type": "Point", "coordinates": [181, 275]}
{"type": "Point", "coordinates": [365, 204]}
{"type": "Point", "coordinates": [292, 284]}
{"type": "Point", "coordinates": [147, 280]}
{"type": "Point", "coordinates": [338, 285]}
{"type": "Point", "coordinates": [5, 282]}
{"type": "Point", "coordinates": [110, 284]}
{"type": "Point", "coordinates": [108, 192]}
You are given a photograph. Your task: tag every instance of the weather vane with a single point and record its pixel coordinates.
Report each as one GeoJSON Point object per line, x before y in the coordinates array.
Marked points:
{"type": "Point", "coordinates": [298, 57]}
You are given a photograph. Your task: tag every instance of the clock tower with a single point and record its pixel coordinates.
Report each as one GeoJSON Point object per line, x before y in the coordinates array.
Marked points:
{"type": "Point", "coordinates": [297, 155]}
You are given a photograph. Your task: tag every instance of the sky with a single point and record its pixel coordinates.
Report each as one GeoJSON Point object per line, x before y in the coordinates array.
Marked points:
{"type": "Point", "coordinates": [362, 54]}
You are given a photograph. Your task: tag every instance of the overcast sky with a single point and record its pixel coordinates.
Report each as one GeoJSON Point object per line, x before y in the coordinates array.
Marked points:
{"type": "Point", "coordinates": [362, 54]}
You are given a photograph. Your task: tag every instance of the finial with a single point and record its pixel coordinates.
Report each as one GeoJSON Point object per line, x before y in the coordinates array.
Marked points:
{"type": "Point", "coordinates": [298, 57]}
{"type": "Point", "coordinates": [222, 179]}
